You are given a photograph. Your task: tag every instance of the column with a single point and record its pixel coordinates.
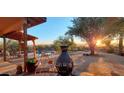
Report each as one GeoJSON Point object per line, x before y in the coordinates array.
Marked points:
{"type": "Point", "coordinates": [19, 47]}
{"type": "Point", "coordinates": [4, 49]}
{"type": "Point", "coordinates": [34, 48]}
{"type": "Point", "coordinates": [25, 44]}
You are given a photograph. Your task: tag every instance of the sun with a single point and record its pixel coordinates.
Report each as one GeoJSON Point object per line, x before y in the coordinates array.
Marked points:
{"type": "Point", "coordinates": [99, 42]}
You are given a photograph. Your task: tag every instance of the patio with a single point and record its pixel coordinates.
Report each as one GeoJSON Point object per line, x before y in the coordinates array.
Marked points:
{"type": "Point", "coordinates": [16, 28]}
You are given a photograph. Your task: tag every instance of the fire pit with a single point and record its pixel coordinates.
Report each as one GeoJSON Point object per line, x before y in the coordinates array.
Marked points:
{"type": "Point", "coordinates": [64, 63]}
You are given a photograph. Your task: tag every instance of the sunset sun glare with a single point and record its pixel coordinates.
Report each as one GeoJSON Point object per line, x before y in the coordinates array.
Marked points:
{"type": "Point", "coordinates": [99, 43]}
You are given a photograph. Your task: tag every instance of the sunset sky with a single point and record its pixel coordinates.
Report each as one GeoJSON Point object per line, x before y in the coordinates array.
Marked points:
{"type": "Point", "coordinates": [51, 30]}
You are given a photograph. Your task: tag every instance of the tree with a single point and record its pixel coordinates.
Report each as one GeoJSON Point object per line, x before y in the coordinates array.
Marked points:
{"type": "Point", "coordinates": [64, 40]}
{"type": "Point", "coordinates": [12, 47]}
{"type": "Point", "coordinates": [1, 45]}
{"type": "Point", "coordinates": [117, 29]}
{"type": "Point", "coordinates": [107, 41]}
{"type": "Point", "coordinates": [88, 28]}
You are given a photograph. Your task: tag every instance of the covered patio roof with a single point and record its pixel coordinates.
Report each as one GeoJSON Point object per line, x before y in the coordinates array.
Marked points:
{"type": "Point", "coordinates": [16, 28]}
{"type": "Point", "coordinates": [10, 24]}
{"type": "Point", "coordinates": [19, 36]}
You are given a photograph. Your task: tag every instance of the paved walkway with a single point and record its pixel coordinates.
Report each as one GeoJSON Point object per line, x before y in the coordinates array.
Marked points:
{"type": "Point", "coordinates": [6, 67]}
{"type": "Point", "coordinates": [10, 67]}
{"type": "Point", "coordinates": [116, 60]}
{"type": "Point", "coordinates": [80, 62]}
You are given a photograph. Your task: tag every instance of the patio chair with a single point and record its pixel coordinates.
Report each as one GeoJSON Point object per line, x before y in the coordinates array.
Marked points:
{"type": "Point", "coordinates": [51, 65]}
{"type": "Point", "coordinates": [41, 64]}
{"type": "Point", "coordinates": [47, 65]}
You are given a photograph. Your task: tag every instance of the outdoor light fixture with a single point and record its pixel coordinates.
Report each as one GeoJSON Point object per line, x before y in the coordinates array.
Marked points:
{"type": "Point", "coordinates": [64, 63]}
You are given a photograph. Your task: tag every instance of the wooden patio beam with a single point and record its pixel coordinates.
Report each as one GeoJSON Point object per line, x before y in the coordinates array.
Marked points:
{"type": "Point", "coordinates": [34, 48]}
{"type": "Point", "coordinates": [25, 44]}
{"type": "Point", "coordinates": [19, 47]}
{"type": "Point", "coordinates": [4, 49]}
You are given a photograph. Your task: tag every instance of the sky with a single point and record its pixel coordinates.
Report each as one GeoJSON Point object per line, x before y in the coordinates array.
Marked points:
{"type": "Point", "coordinates": [51, 30]}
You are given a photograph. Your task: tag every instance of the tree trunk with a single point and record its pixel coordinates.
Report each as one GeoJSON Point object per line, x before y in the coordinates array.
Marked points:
{"type": "Point", "coordinates": [121, 44]}
{"type": "Point", "coordinates": [92, 49]}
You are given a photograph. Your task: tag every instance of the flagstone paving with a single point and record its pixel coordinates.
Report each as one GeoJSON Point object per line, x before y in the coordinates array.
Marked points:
{"type": "Point", "coordinates": [116, 61]}
{"type": "Point", "coordinates": [81, 63]}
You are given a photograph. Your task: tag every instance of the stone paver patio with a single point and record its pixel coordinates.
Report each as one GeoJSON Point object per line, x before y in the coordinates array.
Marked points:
{"type": "Point", "coordinates": [116, 61]}
{"type": "Point", "coordinates": [81, 63]}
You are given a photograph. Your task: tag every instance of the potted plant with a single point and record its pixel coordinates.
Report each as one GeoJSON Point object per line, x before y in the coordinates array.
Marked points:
{"type": "Point", "coordinates": [31, 65]}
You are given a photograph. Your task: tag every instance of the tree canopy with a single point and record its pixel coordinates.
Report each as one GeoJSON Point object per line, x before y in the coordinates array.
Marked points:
{"type": "Point", "coordinates": [88, 28]}
{"type": "Point", "coordinates": [64, 40]}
